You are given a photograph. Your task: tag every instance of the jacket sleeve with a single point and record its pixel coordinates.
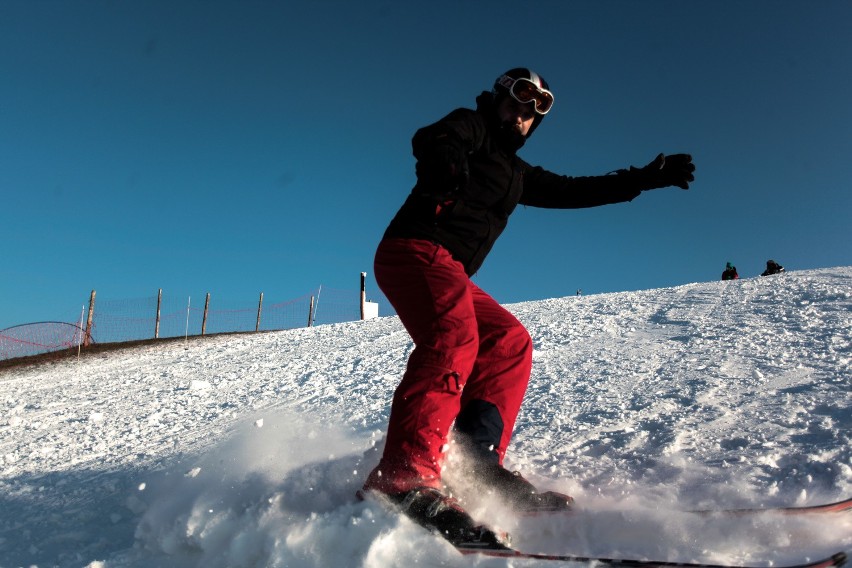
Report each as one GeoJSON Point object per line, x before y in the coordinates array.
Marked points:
{"type": "Point", "coordinates": [547, 189]}
{"type": "Point", "coordinates": [463, 127]}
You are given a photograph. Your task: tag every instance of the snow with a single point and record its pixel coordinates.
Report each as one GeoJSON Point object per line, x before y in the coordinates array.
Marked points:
{"type": "Point", "coordinates": [246, 450]}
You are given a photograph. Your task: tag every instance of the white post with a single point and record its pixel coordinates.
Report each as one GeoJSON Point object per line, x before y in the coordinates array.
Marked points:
{"type": "Point", "coordinates": [363, 293]}
{"type": "Point", "coordinates": [186, 332]}
{"type": "Point", "coordinates": [80, 341]}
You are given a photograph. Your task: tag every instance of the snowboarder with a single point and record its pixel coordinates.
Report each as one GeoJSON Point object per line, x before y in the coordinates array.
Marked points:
{"type": "Point", "coordinates": [772, 267]}
{"type": "Point", "coordinates": [472, 358]}
{"type": "Point", "coordinates": [730, 272]}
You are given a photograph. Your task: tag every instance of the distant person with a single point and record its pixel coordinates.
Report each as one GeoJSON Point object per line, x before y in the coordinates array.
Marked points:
{"type": "Point", "coordinates": [472, 357]}
{"type": "Point", "coordinates": [772, 267]}
{"type": "Point", "coordinates": [730, 272]}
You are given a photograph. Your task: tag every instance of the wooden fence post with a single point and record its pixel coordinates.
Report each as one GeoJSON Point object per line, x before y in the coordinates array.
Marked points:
{"type": "Point", "coordinates": [259, 308]}
{"type": "Point", "coordinates": [159, 303]}
{"type": "Point", "coordinates": [204, 319]}
{"type": "Point", "coordinates": [311, 312]}
{"type": "Point", "coordinates": [88, 339]}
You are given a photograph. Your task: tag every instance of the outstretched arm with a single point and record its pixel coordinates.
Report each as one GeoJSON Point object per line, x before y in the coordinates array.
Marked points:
{"type": "Point", "coordinates": [546, 189]}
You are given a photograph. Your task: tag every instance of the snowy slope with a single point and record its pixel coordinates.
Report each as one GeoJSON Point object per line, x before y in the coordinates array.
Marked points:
{"type": "Point", "coordinates": [245, 451]}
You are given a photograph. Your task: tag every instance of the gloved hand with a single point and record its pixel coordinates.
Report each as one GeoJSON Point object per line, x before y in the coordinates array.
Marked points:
{"type": "Point", "coordinates": [665, 171]}
{"type": "Point", "coordinates": [443, 167]}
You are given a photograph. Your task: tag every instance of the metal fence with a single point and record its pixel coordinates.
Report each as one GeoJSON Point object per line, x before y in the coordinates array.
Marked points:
{"type": "Point", "coordinates": [158, 316]}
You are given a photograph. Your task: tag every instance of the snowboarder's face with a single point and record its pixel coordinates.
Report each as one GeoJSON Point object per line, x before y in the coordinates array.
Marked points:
{"type": "Point", "coordinates": [517, 115]}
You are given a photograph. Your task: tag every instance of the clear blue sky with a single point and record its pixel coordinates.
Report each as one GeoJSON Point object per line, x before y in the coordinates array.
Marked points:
{"type": "Point", "coordinates": [239, 147]}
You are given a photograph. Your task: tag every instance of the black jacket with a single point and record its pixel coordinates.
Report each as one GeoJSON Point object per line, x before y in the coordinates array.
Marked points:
{"type": "Point", "coordinates": [465, 213]}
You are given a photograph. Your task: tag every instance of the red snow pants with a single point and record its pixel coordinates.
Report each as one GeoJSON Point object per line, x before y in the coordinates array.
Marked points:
{"type": "Point", "coordinates": [470, 365]}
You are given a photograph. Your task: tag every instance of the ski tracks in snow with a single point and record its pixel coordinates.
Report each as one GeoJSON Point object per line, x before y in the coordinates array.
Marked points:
{"type": "Point", "coordinates": [655, 395]}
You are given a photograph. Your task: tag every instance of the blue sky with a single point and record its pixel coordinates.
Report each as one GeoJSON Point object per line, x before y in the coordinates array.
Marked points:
{"type": "Point", "coordinates": [239, 147]}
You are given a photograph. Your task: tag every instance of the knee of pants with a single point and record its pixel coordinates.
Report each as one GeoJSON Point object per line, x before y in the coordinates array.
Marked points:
{"type": "Point", "coordinates": [525, 344]}
{"type": "Point", "coordinates": [458, 361]}
{"type": "Point", "coordinates": [516, 342]}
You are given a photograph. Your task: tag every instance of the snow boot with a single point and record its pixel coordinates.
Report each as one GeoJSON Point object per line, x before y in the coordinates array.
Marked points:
{"type": "Point", "coordinates": [442, 514]}
{"type": "Point", "coordinates": [518, 493]}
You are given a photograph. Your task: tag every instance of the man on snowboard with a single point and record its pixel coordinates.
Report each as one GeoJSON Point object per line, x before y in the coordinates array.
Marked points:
{"type": "Point", "coordinates": [472, 358]}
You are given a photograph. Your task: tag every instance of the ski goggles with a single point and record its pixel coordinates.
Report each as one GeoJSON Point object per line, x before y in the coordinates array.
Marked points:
{"type": "Point", "coordinates": [525, 91]}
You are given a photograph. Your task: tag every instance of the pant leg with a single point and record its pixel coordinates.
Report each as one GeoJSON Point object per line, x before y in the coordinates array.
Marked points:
{"type": "Point", "coordinates": [495, 390]}
{"type": "Point", "coordinates": [432, 296]}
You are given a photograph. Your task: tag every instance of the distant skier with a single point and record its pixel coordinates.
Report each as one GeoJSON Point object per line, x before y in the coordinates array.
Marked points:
{"type": "Point", "coordinates": [730, 272]}
{"type": "Point", "coordinates": [472, 358]}
{"type": "Point", "coordinates": [772, 267]}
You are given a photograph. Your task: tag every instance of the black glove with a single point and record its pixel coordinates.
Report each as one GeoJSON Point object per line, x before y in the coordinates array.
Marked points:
{"type": "Point", "coordinates": [665, 171]}
{"type": "Point", "coordinates": [443, 167]}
